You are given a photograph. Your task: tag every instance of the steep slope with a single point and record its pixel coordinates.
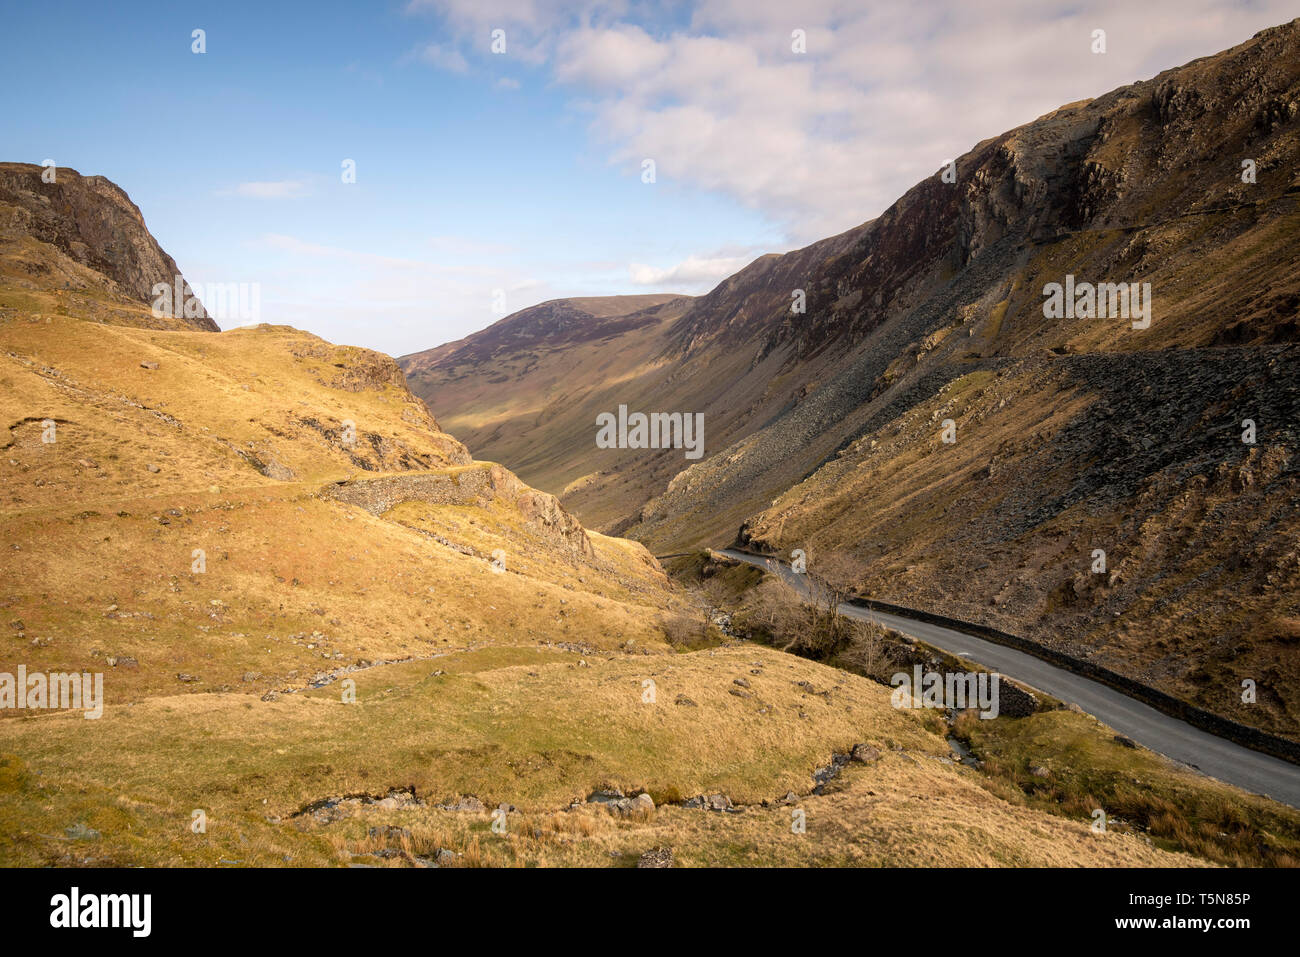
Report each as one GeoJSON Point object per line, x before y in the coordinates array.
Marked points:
{"type": "Point", "coordinates": [328, 507]}
{"type": "Point", "coordinates": [1130, 187]}
{"type": "Point", "coordinates": [316, 618]}
{"type": "Point", "coordinates": [527, 389]}
{"type": "Point", "coordinates": [1171, 448]}
{"type": "Point", "coordinates": [1107, 508]}
{"type": "Point", "coordinates": [255, 509]}
{"type": "Point", "coordinates": [79, 246]}
{"type": "Point", "coordinates": [1070, 433]}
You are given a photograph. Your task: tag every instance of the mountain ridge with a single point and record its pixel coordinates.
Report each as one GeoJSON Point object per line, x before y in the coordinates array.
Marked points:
{"type": "Point", "coordinates": [322, 624]}
{"type": "Point", "coordinates": [1065, 431]}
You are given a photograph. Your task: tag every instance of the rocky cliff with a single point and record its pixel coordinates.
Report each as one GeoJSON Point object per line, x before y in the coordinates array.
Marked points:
{"type": "Point", "coordinates": [82, 237]}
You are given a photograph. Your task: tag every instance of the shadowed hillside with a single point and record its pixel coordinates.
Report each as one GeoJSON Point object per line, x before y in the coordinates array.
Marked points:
{"type": "Point", "coordinates": [825, 428]}
{"type": "Point", "coordinates": [527, 389]}
{"type": "Point", "coordinates": [325, 629]}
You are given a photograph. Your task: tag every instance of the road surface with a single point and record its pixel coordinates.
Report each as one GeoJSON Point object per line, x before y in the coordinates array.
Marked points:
{"type": "Point", "coordinates": [1208, 753]}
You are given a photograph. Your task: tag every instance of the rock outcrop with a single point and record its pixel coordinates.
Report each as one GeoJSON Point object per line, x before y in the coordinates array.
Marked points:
{"type": "Point", "coordinates": [91, 222]}
{"type": "Point", "coordinates": [478, 484]}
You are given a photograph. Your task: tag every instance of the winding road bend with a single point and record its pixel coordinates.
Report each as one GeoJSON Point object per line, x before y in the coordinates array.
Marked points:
{"type": "Point", "coordinates": [1207, 753]}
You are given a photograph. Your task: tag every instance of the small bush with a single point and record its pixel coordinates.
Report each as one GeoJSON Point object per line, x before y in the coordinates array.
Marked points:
{"type": "Point", "coordinates": [687, 632]}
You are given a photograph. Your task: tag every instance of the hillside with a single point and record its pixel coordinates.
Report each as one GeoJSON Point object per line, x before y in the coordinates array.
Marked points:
{"type": "Point", "coordinates": [79, 246]}
{"type": "Point", "coordinates": [527, 389]}
{"type": "Point", "coordinates": [327, 635]}
{"type": "Point", "coordinates": [825, 429]}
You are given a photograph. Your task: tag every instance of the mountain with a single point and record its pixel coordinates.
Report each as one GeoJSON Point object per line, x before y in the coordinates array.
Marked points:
{"type": "Point", "coordinates": [527, 389]}
{"type": "Point", "coordinates": [78, 245]}
{"type": "Point", "coordinates": [323, 634]}
{"type": "Point", "coordinates": [1170, 446]}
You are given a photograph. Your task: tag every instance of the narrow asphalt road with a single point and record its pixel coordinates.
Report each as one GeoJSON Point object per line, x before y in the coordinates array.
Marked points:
{"type": "Point", "coordinates": [1208, 753]}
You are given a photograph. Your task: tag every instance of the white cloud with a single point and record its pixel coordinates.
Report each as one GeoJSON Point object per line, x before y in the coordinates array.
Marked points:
{"type": "Point", "coordinates": [694, 272]}
{"type": "Point", "coordinates": [396, 304]}
{"type": "Point", "coordinates": [624, 54]}
{"type": "Point", "coordinates": [826, 140]}
{"type": "Point", "coordinates": [530, 25]}
{"type": "Point", "coordinates": [277, 189]}
{"type": "Point", "coordinates": [444, 58]}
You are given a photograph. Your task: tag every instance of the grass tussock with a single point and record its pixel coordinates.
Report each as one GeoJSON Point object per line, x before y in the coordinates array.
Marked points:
{"type": "Point", "coordinates": [1139, 791]}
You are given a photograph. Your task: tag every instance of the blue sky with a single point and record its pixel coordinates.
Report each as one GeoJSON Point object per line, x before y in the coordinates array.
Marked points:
{"type": "Point", "coordinates": [520, 172]}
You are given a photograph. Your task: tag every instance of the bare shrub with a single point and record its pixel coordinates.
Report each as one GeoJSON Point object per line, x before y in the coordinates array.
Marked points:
{"type": "Point", "coordinates": [802, 616]}
{"type": "Point", "coordinates": [687, 631]}
{"type": "Point", "coordinates": [869, 649]}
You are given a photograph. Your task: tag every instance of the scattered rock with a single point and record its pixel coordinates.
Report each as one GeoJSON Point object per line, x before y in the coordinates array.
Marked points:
{"type": "Point", "coordinates": [79, 832]}
{"type": "Point", "coordinates": [153, 468]}
{"type": "Point", "coordinates": [390, 832]}
{"type": "Point", "coordinates": [1039, 771]}
{"type": "Point", "coordinates": [710, 802]}
{"type": "Point", "coordinates": [823, 776]}
{"type": "Point", "coordinates": [338, 808]}
{"type": "Point", "coordinates": [864, 754]}
{"type": "Point", "coordinates": [742, 682]}
{"type": "Point", "coordinates": [656, 857]}
{"type": "Point", "coordinates": [685, 701]}
{"type": "Point", "coordinates": [1127, 742]}
{"type": "Point", "coordinates": [148, 364]}
{"type": "Point", "coordinates": [187, 678]}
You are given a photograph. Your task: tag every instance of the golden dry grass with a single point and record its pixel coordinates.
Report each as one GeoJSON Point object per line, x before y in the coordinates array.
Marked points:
{"type": "Point", "coordinates": [534, 729]}
{"type": "Point", "coordinates": [1197, 567]}
{"type": "Point", "coordinates": [523, 686]}
{"type": "Point", "coordinates": [98, 564]}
